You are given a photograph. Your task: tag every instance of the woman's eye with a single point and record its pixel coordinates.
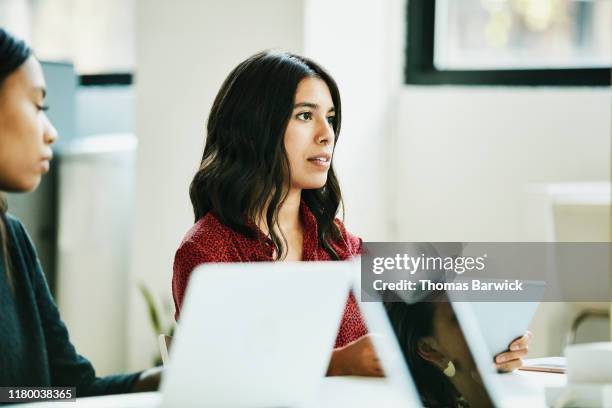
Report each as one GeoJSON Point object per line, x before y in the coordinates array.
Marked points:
{"type": "Point", "coordinates": [43, 108]}
{"type": "Point", "coordinates": [331, 120]}
{"type": "Point", "coordinates": [304, 116]}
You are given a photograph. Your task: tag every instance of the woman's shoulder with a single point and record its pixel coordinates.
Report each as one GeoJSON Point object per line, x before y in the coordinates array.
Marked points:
{"type": "Point", "coordinates": [209, 238]}
{"type": "Point", "coordinates": [208, 230]}
{"type": "Point", "coordinates": [17, 233]}
{"type": "Point", "coordinates": [353, 242]}
{"type": "Point", "coordinates": [14, 224]}
{"type": "Point", "coordinates": [21, 248]}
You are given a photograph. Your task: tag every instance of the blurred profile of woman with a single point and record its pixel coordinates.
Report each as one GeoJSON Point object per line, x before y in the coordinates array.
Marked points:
{"type": "Point", "coordinates": [266, 189]}
{"type": "Point", "coordinates": [35, 349]}
{"type": "Point", "coordinates": [438, 355]}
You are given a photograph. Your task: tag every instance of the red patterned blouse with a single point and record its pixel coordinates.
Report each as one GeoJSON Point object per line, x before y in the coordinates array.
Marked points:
{"type": "Point", "coordinates": [210, 241]}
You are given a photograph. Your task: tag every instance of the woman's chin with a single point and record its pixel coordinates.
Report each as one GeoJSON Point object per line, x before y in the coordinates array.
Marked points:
{"type": "Point", "coordinates": [312, 184]}
{"type": "Point", "coordinates": [22, 186]}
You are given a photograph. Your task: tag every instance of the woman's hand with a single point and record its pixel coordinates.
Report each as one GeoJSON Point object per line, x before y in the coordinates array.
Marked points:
{"type": "Point", "coordinates": [149, 380]}
{"type": "Point", "coordinates": [356, 358]}
{"type": "Point", "coordinates": [513, 359]}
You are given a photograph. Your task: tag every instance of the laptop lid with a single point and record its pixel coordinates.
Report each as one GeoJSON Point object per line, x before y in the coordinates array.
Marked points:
{"type": "Point", "coordinates": [504, 389]}
{"type": "Point", "coordinates": [420, 381]}
{"type": "Point", "coordinates": [390, 355]}
{"type": "Point", "coordinates": [460, 334]}
{"type": "Point", "coordinates": [387, 347]}
{"type": "Point", "coordinates": [256, 334]}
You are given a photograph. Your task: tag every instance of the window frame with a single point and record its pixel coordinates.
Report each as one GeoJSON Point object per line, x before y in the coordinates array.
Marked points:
{"type": "Point", "coordinates": [420, 69]}
{"type": "Point", "coordinates": [107, 79]}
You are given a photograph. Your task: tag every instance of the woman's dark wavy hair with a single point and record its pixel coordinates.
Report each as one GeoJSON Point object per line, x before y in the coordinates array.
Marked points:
{"type": "Point", "coordinates": [13, 53]}
{"type": "Point", "coordinates": [244, 167]}
{"type": "Point", "coordinates": [411, 323]}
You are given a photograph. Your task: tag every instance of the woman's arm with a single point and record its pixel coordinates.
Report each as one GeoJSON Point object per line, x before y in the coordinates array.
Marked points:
{"type": "Point", "coordinates": [188, 256]}
{"type": "Point", "coordinates": [356, 358]}
{"type": "Point", "coordinates": [148, 380]}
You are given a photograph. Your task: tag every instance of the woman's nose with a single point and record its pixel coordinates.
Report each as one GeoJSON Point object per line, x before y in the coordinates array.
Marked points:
{"type": "Point", "coordinates": [325, 134]}
{"type": "Point", "coordinates": [50, 135]}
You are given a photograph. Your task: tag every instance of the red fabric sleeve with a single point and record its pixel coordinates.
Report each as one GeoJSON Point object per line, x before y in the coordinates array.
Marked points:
{"type": "Point", "coordinates": [187, 257]}
{"type": "Point", "coordinates": [352, 326]}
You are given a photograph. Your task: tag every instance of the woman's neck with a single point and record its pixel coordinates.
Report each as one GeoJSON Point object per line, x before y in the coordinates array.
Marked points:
{"type": "Point", "coordinates": [288, 214]}
{"type": "Point", "coordinates": [475, 393]}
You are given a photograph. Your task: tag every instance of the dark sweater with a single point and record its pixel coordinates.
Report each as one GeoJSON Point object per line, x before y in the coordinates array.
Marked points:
{"type": "Point", "coordinates": [34, 346]}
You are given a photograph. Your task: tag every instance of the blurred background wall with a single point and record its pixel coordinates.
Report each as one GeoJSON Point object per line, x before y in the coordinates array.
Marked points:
{"type": "Point", "coordinates": [416, 162]}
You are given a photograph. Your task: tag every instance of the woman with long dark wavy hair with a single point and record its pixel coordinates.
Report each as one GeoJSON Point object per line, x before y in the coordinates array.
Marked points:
{"type": "Point", "coordinates": [266, 189]}
{"type": "Point", "coordinates": [35, 349]}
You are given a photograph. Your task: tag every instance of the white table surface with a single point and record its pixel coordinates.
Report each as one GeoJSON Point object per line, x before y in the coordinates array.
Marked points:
{"type": "Point", "coordinates": [527, 387]}
{"type": "Point", "coordinates": [336, 392]}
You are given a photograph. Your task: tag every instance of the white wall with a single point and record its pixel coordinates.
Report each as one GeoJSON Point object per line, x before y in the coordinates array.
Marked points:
{"type": "Point", "coordinates": [95, 213]}
{"type": "Point", "coordinates": [361, 47]}
{"type": "Point", "coordinates": [468, 154]}
{"type": "Point", "coordinates": [184, 51]}
{"type": "Point", "coordinates": [15, 18]}
{"type": "Point", "coordinates": [95, 36]}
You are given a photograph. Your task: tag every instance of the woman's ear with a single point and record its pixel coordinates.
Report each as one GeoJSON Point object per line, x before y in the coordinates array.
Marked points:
{"type": "Point", "coordinates": [427, 349]}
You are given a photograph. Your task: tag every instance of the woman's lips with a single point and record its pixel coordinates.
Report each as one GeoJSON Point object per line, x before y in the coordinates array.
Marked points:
{"type": "Point", "coordinates": [320, 162]}
{"type": "Point", "coordinates": [45, 165]}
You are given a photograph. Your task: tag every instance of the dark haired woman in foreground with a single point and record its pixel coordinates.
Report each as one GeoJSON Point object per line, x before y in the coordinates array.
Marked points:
{"type": "Point", "coordinates": [266, 189]}
{"type": "Point", "coordinates": [34, 346]}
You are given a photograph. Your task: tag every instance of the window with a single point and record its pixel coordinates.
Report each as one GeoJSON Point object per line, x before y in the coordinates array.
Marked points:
{"type": "Point", "coordinates": [509, 42]}
{"type": "Point", "coordinates": [96, 36]}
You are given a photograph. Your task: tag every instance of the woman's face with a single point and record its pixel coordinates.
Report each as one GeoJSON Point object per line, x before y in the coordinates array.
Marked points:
{"type": "Point", "coordinates": [309, 138]}
{"type": "Point", "coordinates": [450, 339]}
{"type": "Point", "coordinates": [26, 134]}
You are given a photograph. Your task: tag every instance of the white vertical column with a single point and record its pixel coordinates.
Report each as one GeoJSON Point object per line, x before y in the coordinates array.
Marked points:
{"type": "Point", "coordinates": [360, 43]}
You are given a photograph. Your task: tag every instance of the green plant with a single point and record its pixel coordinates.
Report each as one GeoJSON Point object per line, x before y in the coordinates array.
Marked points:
{"type": "Point", "coordinates": [160, 318]}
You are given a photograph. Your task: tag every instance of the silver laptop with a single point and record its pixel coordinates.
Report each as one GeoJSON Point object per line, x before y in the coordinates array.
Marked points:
{"type": "Point", "coordinates": [390, 355]}
{"type": "Point", "coordinates": [504, 389]}
{"type": "Point", "coordinates": [256, 334]}
{"type": "Point", "coordinates": [498, 390]}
